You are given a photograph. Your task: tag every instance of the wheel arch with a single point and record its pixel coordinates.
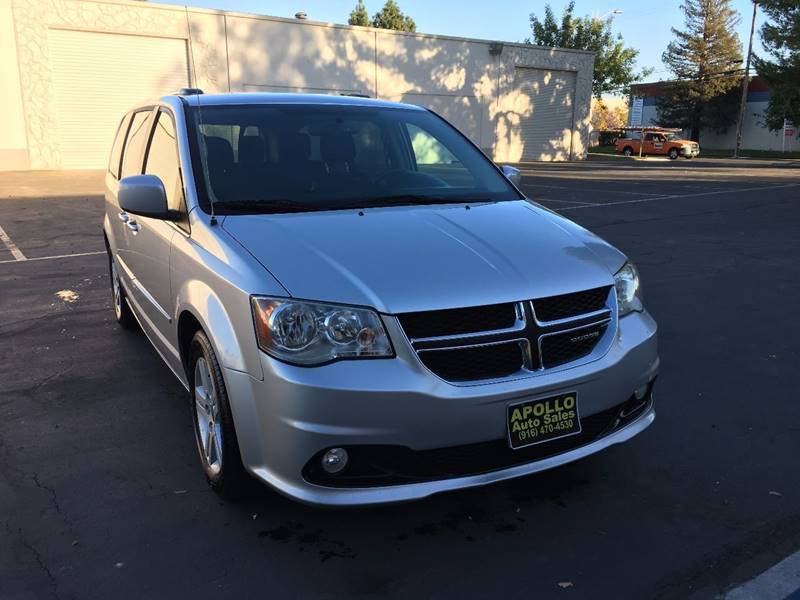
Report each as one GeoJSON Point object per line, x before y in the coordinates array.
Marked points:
{"type": "Point", "coordinates": [188, 325]}
{"type": "Point", "coordinates": [200, 308]}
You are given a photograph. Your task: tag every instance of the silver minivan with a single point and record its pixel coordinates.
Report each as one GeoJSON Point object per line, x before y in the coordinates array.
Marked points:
{"type": "Point", "coordinates": [363, 307]}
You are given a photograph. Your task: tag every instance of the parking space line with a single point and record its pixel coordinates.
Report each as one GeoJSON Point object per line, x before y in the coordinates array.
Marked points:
{"type": "Point", "coordinates": [565, 201]}
{"type": "Point", "coordinates": [12, 247]}
{"type": "Point", "coordinates": [780, 582]}
{"type": "Point", "coordinates": [679, 196]}
{"type": "Point", "coordinates": [595, 190]}
{"type": "Point", "coordinates": [51, 257]}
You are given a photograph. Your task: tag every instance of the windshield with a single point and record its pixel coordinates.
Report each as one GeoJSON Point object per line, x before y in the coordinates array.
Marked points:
{"type": "Point", "coordinates": [284, 158]}
{"type": "Point", "coordinates": [671, 136]}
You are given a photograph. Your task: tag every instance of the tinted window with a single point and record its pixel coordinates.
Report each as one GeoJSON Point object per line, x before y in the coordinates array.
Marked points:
{"type": "Point", "coordinates": [137, 137]}
{"type": "Point", "coordinates": [116, 149]}
{"type": "Point", "coordinates": [433, 158]}
{"type": "Point", "coordinates": [162, 160]}
{"type": "Point", "coordinates": [322, 157]}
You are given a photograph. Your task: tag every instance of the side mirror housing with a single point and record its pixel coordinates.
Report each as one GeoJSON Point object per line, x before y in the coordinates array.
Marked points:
{"type": "Point", "coordinates": [144, 195]}
{"type": "Point", "coordinates": [512, 174]}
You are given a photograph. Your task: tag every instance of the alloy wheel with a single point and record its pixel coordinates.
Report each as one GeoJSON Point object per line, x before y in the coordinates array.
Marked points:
{"type": "Point", "coordinates": [116, 290]}
{"type": "Point", "coordinates": [207, 413]}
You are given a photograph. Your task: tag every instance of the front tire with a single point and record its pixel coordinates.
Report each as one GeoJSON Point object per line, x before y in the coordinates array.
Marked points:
{"type": "Point", "coordinates": [214, 432]}
{"type": "Point", "coordinates": [673, 154]}
{"type": "Point", "coordinates": [122, 311]}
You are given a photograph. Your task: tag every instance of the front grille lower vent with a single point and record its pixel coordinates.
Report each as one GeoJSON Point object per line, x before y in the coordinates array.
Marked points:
{"type": "Point", "coordinates": [477, 362]}
{"type": "Point", "coordinates": [563, 348]}
{"type": "Point", "coordinates": [502, 340]}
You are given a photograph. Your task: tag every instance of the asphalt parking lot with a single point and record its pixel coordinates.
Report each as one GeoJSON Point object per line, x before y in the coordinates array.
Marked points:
{"type": "Point", "coordinates": [101, 495]}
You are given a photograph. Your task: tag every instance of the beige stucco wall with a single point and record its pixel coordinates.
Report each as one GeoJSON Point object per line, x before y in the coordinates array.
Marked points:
{"type": "Point", "coordinates": [13, 141]}
{"type": "Point", "coordinates": [458, 78]}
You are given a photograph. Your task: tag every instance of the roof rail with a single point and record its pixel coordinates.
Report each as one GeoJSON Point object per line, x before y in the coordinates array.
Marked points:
{"type": "Point", "coordinates": [188, 91]}
{"type": "Point", "coordinates": [355, 94]}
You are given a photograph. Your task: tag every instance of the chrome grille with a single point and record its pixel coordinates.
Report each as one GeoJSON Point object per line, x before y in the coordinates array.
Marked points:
{"type": "Point", "coordinates": [565, 306]}
{"type": "Point", "coordinates": [506, 340]}
{"type": "Point", "coordinates": [475, 362]}
{"type": "Point", "coordinates": [434, 323]}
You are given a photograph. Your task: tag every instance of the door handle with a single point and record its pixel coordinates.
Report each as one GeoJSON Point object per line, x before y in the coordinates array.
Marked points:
{"type": "Point", "coordinates": [133, 226]}
{"type": "Point", "coordinates": [123, 216]}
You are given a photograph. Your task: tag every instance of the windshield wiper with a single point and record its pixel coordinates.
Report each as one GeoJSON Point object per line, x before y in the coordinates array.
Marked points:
{"type": "Point", "coordinates": [405, 199]}
{"type": "Point", "coordinates": [278, 205]}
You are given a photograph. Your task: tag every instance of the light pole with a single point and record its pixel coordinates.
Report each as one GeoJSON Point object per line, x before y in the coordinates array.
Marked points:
{"type": "Point", "coordinates": [745, 80]}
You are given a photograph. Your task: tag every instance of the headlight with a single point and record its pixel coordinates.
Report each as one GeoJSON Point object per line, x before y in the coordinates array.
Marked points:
{"type": "Point", "coordinates": [310, 333]}
{"type": "Point", "coordinates": [629, 293]}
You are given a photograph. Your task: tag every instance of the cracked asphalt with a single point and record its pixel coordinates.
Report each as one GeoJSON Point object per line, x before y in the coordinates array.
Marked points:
{"type": "Point", "coordinates": [101, 495]}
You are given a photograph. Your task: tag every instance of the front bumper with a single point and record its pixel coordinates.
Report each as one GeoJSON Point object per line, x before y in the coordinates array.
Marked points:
{"type": "Point", "coordinates": [690, 151]}
{"type": "Point", "coordinates": [294, 413]}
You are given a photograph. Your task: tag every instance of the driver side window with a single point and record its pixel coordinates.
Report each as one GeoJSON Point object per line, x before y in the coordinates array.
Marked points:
{"type": "Point", "coordinates": [162, 161]}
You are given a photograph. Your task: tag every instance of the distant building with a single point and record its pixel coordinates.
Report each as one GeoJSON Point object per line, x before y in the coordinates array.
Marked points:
{"type": "Point", "coordinates": [755, 135]}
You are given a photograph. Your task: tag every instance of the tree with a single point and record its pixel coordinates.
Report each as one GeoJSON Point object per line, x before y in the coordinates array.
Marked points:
{"type": "Point", "coordinates": [609, 115]}
{"type": "Point", "coordinates": [391, 17]}
{"type": "Point", "coordinates": [359, 15]}
{"type": "Point", "coordinates": [780, 37]}
{"type": "Point", "coordinates": [705, 59]}
{"type": "Point", "coordinates": [613, 62]}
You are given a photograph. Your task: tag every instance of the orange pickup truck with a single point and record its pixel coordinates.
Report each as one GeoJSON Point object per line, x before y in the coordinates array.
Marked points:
{"type": "Point", "coordinates": [664, 142]}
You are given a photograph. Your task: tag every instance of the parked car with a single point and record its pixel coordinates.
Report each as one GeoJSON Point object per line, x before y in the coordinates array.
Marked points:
{"type": "Point", "coordinates": [657, 142]}
{"type": "Point", "coordinates": [362, 306]}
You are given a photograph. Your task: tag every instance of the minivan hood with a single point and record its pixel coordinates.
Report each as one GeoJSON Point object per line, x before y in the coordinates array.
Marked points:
{"type": "Point", "coordinates": [412, 258]}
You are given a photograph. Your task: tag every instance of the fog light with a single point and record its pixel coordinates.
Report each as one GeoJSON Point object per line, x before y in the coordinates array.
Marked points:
{"type": "Point", "coordinates": [642, 391]}
{"type": "Point", "coordinates": [334, 460]}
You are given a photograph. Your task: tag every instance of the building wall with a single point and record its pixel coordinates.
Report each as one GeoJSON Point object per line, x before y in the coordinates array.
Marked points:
{"type": "Point", "coordinates": [238, 52]}
{"type": "Point", "coordinates": [13, 140]}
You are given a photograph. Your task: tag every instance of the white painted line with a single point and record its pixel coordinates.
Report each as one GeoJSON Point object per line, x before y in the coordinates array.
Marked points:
{"type": "Point", "coordinates": [54, 257]}
{"type": "Point", "coordinates": [565, 201]}
{"type": "Point", "coordinates": [679, 196]}
{"type": "Point", "coordinates": [595, 190]}
{"type": "Point", "coordinates": [12, 247]}
{"type": "Point", "coordinates": [776, 583]}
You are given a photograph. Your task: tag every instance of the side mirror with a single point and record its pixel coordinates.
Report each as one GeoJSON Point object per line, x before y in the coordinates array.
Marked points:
{"type": "Point", "coordinates": [143, 195]}
{"type": "Point", "coordinates": [512, 174]}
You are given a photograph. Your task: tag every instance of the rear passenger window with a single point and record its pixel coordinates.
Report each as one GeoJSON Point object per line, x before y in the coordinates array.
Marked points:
{"type": "Point", "coordinates": [137, 137]}
{"type": "Point", "coordinates": [162, 160]}
{"type": "Point", "coordinates": [116, 149]}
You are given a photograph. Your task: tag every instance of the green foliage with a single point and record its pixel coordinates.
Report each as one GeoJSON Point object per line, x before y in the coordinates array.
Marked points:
{"type": "Point", "coordinates": [391, 17]}
{"type": "Point", "coordinates": [780, 37]}
{"type": "Point", "coordinates": [705, 57]}
{"type": "Point", "coordinates": [613, 63]}
{"type": "Point", "coordinates": [359, 15]}
{"type": "Point", "coordinates": [676, 108]}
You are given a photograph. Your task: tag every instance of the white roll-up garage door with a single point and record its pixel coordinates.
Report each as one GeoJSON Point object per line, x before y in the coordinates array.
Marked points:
{"type": "Point", "coordinates": [97, 77]}
{"type": "Point", "coordinates": [544, 104]}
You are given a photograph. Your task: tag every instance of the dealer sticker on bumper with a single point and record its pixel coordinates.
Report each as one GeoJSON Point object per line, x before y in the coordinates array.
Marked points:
{"type": "Point", "coordinates": [537, 421]}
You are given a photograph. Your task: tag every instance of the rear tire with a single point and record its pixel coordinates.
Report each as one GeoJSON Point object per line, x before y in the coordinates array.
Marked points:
{"type": "Point", "coordinates": [627, 151]}
{"type": "Point", "coordinates": [214, 432]}
{"type": "Point", "coordinates": [122, 311]}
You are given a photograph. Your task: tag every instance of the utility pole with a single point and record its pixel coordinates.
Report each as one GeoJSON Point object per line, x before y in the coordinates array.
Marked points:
{"type": "Point", "coordinates": [745, 81]}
